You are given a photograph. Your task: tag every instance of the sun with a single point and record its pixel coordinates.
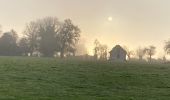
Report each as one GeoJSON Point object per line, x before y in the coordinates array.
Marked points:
{"type": "Point", "coordinates": [110, 18]}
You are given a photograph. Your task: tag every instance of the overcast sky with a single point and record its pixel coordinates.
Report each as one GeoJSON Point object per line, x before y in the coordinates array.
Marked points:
{"type": "Point", "coordinates": [135, 22]}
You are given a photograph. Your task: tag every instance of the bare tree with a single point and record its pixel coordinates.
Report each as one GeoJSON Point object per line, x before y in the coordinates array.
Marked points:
{"type": "Point", "coordinates": [140, 53]}
{"type": "Point", "coordinates": [103, 52]}
{"type": "Point", "coordinates": [167, 47]}
{"type": "Point", "coordinates": [96, 49]}
{"type": "Point", "coordinates": [150, 51]}
{"type": "Point", "coordinates": [31, 33]}
{"type": "Point", "coordinates": [100, 50]}
{"type": "Point", "coordinates": [129, 52]}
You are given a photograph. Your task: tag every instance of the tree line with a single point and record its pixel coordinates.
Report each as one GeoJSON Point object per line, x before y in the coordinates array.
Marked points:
{"type": "Point", "coordinates": [50, 37]}
{"type": "Point", "coordinates": [46, 37]}
{"type": "Point", "coordinates": [101, 51]}
{"type": "Point", "coordinates": [149, 52]}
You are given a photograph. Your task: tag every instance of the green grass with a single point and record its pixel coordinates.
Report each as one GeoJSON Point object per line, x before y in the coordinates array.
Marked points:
{"type": "Point", "coordinates": [52, 79]}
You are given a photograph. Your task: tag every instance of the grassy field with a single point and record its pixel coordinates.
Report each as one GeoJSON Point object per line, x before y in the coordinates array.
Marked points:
{"type": "Point", "coordinates": [52, 79]}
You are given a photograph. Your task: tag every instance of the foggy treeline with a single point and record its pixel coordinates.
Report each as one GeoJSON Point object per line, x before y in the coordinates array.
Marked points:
{"type": "Point", "coordinates": [147, 53]}
{"type": "Point", "coordinates": [140, 54]}
{"type": "Point", "coordinates": [43, 37]}
{"type": "Point", "coordinates": [51, 37]}
{"type": "Point", "coordinates": [100, 50]}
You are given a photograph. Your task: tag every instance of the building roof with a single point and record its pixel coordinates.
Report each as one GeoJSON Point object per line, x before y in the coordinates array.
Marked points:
{"type": "Point", "coordinates": [118, 48]}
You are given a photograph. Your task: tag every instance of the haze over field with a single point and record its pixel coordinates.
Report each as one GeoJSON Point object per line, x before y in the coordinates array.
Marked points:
{"type": "Point", "coordinates": [126, 22]}
{"type": "Point", "coordinates": [85, 49]}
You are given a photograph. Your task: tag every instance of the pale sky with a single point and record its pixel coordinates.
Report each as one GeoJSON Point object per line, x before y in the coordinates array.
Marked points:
{"type": "Point", "coordinates": [134, 22]}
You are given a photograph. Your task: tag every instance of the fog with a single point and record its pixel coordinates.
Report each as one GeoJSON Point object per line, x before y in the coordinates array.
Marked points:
{"type": "Point", "coordinates": [134, 23]}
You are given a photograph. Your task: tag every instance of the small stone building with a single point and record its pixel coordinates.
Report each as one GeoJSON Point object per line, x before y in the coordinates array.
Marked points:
{"type": "Point", "coordinates": [118, 54]}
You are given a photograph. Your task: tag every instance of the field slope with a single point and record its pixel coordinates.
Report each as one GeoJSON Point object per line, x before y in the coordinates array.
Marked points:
{"type": "Point", "coordinates": [52, 79]}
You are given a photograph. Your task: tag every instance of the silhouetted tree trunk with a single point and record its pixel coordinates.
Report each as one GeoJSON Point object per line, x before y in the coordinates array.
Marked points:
{"type": "Point", "coordinates": [150, 51]}
{"type": "Point", "coordinates": [140, 57]}
{"type": "Point", "coordinates": [150, 58]}
{"type": "Point", "coordinates": [74, 54]}
{"type": "Point", "coordinates": [31, 53]}
{"type": "Point", "coordinates": [62, 54]}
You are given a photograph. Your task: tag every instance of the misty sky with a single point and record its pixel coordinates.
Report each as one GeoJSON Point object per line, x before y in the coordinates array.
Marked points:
{"type": "Point", "coordinates": [135, 22]}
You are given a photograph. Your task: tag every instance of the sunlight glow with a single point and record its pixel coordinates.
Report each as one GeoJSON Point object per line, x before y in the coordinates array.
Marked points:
{"type": "Point", "coordinates": [110, 18]}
